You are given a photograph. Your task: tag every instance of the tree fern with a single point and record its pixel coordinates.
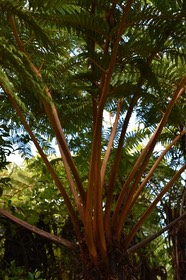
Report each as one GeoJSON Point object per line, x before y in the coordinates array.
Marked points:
{"type": "Point", "coordinates": [101, 55]}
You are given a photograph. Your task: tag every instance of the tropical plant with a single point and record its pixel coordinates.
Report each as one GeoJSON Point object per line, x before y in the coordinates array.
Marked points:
{"type": "Point", "coordinates": [31, 195]}
{"type": "Point", "coordinates": [68, 61]}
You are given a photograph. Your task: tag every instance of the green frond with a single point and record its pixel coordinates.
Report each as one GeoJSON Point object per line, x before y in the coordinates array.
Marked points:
{"type": "Point", "coordinates": [75, 107]}
{"type": "Point", "coordinates": [22, 68]}
{"type": "Point", "coordinates": [134, 46]}
{"type": "Point", "coordinates": [99, 4]}
{"type": "Point", "coordinates": [168, 73]}
{"type": "Point", "coordinates": [24, 15]}
{"type": "Point", "coordinates": [6, 84]}
{"type": "Point", "coordinates": [146, 72]}
{"type": "Point", "coordinates": [145, 15]}
{"type": "Point", "coordinates": [77, 21]}
{"type": "Point", "coordinates": [155, 12]}
{"type": "Point", "coordinates": [124, 90]}
{"type": "Point", "coordinates": [128, 74]}
{"type": "Point", "coordinates": [5, 145]}
{"type": "Point", "coordinates": [168, 5]}
{"type": "Point", "coordinates": [176, 56]}
{"type": "Point", "coordinates": [48, 5]}
{"type": "Point", "coordinates": [135, 140]}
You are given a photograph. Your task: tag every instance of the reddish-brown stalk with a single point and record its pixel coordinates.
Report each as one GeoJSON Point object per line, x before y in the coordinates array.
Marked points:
{"type": "Point", "coordinates": [142, 162]}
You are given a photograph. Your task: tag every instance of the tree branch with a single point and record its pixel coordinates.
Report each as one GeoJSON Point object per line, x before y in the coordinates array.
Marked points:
{"type": "Point", "coordinates": [109, 147]}
{"type": "Point", "coordinates": [47, 163]}
{"type": "Point", "coordinates": [149, 210]}
{"type": "Point", "coordinates": [115, 168]}
{"type": "Point", "coordinates": [143, 160]}
{"type": "Point", "coordinates": [51, 237]}
{"type": "Point", "coordinates": [154, 236]}
{"type": "Point", "coordinates": [139, 190]}
{"type": "Point", "coordinates": [132, 198]}
{"type": "Point", "coordinates": [94, 185]}
{"type": "Point", "coordinates": [52, 114]}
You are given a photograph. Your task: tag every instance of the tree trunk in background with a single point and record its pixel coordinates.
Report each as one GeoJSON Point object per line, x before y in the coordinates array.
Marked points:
{"type": "Point", "coordinates": [177, 236]}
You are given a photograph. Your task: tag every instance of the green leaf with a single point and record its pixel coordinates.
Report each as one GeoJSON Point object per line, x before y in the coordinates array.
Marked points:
{"type": "Point", "coordinates": [30, 276]}
{"type": "Point", "coordinates": [37, 274]}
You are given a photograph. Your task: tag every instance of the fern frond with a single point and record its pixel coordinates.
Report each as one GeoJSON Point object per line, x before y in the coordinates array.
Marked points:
{"type": "Point", "coordinates": [168, 6]}
{"type": "Point", "coordinates": [78, 21]}
{"type": "Point", "coordinates": [22, 68]}
{"type": "Point", "coordinates": [21, 11]}
{"type": "Point", "coordinates": [9, 88]}
{"type": "Point", "coordinates": [168, 74]}
{"type": "Point", "coordinates": [176, 56]}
